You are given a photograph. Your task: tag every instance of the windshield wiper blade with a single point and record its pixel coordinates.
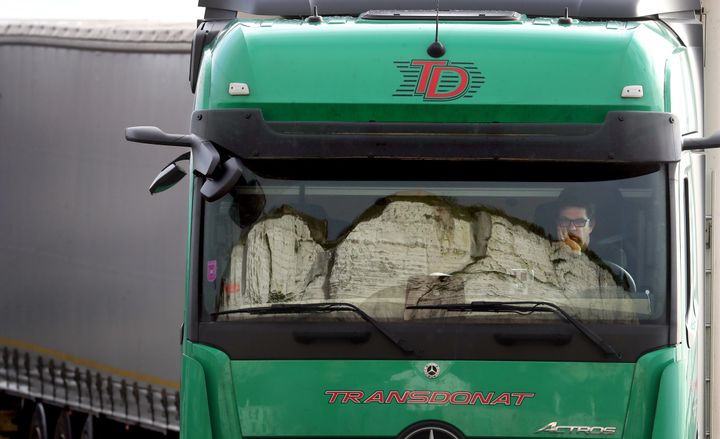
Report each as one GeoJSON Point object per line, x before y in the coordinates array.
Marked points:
{"type": "Point", "coordinates": [306, 308]}
{"type": "Point", "coordinates": [528, 307]}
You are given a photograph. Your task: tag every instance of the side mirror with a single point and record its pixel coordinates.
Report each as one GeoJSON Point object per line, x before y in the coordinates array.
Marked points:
{"type": "Point", "coordinates": [694, 144]}
{"type": "Point", "coordinates": [219, 177]}
{"type": "Point", "coordinates": [169, 176]}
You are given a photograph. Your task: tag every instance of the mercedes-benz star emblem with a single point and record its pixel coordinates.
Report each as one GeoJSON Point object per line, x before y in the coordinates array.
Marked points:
{"type": "Point", "coordinates": [432, 370]}
{"type": "Point", "coordinates": [431, 430]}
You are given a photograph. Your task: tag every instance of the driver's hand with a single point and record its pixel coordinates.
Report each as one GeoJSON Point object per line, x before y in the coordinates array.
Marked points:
{"type": "Point", "coordinates": [574, 246]}
{"type": "Point", "coordinates": [572, 241]}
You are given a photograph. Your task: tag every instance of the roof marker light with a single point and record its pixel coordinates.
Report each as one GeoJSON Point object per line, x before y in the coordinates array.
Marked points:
{"type": "Point", "coordinates": [632, 91]}
{"type": "Point", "coordinates": [239, 89]}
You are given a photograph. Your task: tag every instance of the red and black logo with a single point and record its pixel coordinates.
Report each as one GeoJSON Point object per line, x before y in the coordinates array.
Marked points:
{"type": "Point", "coordinates": [438, 80]}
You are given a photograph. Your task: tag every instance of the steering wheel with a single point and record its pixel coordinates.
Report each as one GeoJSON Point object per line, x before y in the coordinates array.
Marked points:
{"type": "Point", "coordinates": [628, 276]}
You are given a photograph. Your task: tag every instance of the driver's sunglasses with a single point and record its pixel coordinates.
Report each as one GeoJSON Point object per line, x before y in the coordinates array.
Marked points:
{"type": "Point", "coordinates": [577, 222]}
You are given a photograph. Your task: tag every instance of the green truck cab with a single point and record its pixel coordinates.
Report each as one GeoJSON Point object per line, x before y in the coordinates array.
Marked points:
{"type": "Point", "coordinates": [449, 223]}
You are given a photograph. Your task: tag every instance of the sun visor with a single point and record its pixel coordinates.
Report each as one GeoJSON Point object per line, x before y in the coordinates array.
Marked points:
{"type": "Point", "coordinates": [624, 137]}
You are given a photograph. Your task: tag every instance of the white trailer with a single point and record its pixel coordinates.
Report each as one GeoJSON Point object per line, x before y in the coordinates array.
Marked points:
{"type": "Point", "coordinates": [92, 270]}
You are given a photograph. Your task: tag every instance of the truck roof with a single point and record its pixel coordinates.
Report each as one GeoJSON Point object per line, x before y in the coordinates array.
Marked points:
{"type": "Point", "coordinates": [621, 9]}
{"type": "Point", "coordinates": [353, 69]}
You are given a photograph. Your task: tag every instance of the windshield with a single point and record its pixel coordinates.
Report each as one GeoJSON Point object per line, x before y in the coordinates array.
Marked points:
{"type": "Point", "coordinates": [387, 238]}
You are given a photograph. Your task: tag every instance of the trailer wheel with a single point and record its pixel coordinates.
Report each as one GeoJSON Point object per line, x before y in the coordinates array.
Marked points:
{"type": "Point", "coordinates": [38, 423]}
{"type": "Point", "coordinates": [87, 430]}
{"type": "Point", "coordinates": [63, 427]}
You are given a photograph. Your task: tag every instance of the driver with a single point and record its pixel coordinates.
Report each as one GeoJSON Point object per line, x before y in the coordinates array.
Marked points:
{"type": "Point", "coordinates": [575, 220]}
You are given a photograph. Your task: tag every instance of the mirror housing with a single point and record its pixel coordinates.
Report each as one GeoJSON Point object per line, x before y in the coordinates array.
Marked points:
{"type": "Point", "coordinates": [699, 143]}
{"type": "Point", "coordinates": [169, 176]}
{"type": "Point", "coordinates": [214, 189]}
{"type": "Point", "coordinates": [219, 177]}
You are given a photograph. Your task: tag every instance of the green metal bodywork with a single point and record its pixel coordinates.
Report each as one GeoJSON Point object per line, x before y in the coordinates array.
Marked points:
{"type": "Point", "coordinates": [346, 69]}
{"type": "Point", "coordinates": [290, 398]}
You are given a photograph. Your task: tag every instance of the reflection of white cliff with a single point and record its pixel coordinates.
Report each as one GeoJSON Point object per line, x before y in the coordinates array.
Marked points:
{"type": "Point", "coordinates": [279, 261]}
{"type": "Point", "coordinates": [390, 254]}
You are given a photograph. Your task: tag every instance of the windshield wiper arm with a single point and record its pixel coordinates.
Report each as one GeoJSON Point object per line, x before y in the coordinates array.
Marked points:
{"type": "Point", "coordinates": [307, 308]}
{"type": "Point", "coordinates": [529, 307]}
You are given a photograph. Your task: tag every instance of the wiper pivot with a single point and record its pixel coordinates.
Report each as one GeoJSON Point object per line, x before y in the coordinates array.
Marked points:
{"type": "Point", "coordinates": [528, 307]}
{"type": "Point", "coordinates": [322, 307]}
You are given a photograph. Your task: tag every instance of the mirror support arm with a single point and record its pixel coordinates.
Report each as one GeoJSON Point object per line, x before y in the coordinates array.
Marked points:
{"type": "Point", "coordinates": [206, 157]}
{"type": "Point", "coordinates": [700, 143]}
{"type": "Point", "coordinates": [219, 177]}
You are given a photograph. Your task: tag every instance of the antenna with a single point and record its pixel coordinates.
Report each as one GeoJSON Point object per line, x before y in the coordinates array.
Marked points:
{"type": "Point", "coordinates": [436, 48]}
{"type": "Point", "coordinates": [566, 19]}
{"type": "Point", "coordinates": [314, 18]}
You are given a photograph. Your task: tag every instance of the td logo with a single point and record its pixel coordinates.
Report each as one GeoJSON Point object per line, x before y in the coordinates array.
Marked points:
{"type": "Point", "coordinates": [438, 80]}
